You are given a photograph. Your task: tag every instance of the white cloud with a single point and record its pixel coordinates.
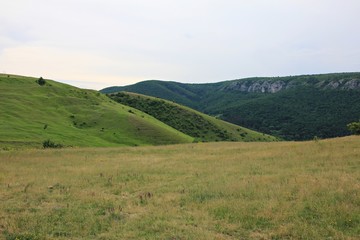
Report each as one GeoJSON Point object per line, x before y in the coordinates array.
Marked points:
{"type": "Point", "coordinates": [112, 42]}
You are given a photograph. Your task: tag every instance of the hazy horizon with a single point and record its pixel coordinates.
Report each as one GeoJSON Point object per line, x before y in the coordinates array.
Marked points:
{"type": "Point", "coordinates": [96, 44]}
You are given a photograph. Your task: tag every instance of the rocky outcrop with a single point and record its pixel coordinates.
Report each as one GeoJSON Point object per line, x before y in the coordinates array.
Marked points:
{"type": "Point", "coordinates": [257, 86]}
{"type": "Point", "coordinates": [273, 86]}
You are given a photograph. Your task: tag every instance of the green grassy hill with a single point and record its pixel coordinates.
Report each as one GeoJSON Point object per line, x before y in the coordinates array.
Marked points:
{"type": "Point", "coordinates": [193, 123]}
{"type": "Point", "coordinates": [31, 114]}
{"type": "Point", "coordinates": [293, 108]}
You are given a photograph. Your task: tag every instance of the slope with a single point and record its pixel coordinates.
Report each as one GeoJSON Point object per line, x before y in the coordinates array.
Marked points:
{"type": "Point", "coordinates": [32, 113]}
{"type": "Point", "coordinates": [293, 108]}
{"type": "Point", "coordinates": [193, 123]}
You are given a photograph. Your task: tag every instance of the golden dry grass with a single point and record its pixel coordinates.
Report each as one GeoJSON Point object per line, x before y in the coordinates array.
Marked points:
{"type": "Point", "coordinates": [281, 190]}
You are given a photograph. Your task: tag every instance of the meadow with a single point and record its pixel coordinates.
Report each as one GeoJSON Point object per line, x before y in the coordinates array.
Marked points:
{"type": "Point", "coordinates": [248, 190]}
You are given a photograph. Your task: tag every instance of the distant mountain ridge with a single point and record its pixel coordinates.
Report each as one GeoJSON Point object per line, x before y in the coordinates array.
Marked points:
{"type": "Point", "coordinates": [332, 81]}
{"type": "Point", "coordinates": [293, 107]}
{"type": "Point", "coordinates": [186, 93]}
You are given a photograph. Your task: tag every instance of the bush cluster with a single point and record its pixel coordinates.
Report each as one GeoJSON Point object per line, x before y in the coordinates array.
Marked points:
{"type": "Point", "coordinates": [50, 144]}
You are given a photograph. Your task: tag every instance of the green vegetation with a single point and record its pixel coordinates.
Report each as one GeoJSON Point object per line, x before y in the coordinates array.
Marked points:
{"type": "Point", "coordinates": [299, 114]}
{"type": "Point", "coordinates": [195, 124]}
{"type": "Point", "coordinates": [277, 190]}
{"type": "Point", "coordinates": [32, 113]}
{"type": "Point", "coordinates": [41, 81]}
{"type": "Point", "coordinates": [354, 127]}
{"type": "Point", "coordinates": [307, 106]}
{"type": "Point", "coordinates": [50, 144]}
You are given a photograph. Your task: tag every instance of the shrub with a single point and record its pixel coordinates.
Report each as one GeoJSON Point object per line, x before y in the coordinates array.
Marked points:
{"type": "Point", "coordinates": [354, 128]}
{"type": "Point", "coordinates": [50, 144]}
{"type": "Point", "coordinates": [41, 81]}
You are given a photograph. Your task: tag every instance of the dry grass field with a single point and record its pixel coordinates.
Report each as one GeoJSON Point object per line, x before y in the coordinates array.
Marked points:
{"type": "Point", "coordinates": [279, 190]}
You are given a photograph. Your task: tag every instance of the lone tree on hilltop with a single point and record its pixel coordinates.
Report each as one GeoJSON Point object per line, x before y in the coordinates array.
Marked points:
{"type": "Point", "coordinates": [354, 128]}
{"type": "Point", "coordinates": [41, 81]}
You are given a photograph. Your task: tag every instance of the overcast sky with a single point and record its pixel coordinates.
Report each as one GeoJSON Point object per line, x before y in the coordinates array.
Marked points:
{"type": "Point", "coordinates": [100, 43]}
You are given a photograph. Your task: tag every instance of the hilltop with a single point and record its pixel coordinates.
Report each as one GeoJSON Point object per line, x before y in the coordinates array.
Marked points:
{"type": "Point", "coordinates": [293, 108]}
{"type": "Point", "coordinates": [32, 113]}
{"type": "Point", "coordinates": [193, 123]}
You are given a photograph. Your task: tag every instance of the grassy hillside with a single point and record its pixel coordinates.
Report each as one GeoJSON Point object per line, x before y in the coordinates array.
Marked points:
{"type": "Point", "coordinates": [32, 113]}
{"type": "Point", "coordinates": [278, 190]}
{"type": "Point", "coordinates": [193, 123]}
{"type": "Point", "coordinates": [293, 108]}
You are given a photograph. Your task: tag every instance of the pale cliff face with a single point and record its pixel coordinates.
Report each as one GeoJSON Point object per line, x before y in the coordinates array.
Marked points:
{"type": "Point", "coordinates": [273, 86]}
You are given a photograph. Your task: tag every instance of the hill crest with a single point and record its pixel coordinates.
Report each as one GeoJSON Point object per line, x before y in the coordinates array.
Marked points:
{"type": "Point", "coordinates": [330, 81]}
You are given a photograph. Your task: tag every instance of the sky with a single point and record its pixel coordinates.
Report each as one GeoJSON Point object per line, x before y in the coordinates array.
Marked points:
{"type": "Point", "coordinates": [99, 43]}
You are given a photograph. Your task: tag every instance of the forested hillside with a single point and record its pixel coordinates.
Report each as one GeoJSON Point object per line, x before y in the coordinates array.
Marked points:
{"type": "Point", "coordinates": [293, 108]}
{"type": "Point", "coordinates": [191, 122]}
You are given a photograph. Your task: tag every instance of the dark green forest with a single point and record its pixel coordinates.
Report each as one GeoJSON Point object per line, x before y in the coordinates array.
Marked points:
{"type": "Point", "coordinates": [300, 114]}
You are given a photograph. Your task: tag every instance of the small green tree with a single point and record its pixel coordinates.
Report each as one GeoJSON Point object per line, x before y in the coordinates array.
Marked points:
{"type": "Point", "coordinates": [41, 81]}
{"type": "Point", "coordinates": [354, 128]}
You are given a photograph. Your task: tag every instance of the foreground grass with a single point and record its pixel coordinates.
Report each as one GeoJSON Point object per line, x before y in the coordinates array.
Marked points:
{"type": "Point", "coordinates": [282, 190]}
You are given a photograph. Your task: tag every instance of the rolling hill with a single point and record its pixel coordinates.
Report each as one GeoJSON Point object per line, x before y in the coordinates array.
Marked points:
{"type": "Point", "coordinates": [293, 108]}
{"type": "Point", "coordinates": [193, 123]}
{"type": "Point", "coordinates": [32, 113]}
